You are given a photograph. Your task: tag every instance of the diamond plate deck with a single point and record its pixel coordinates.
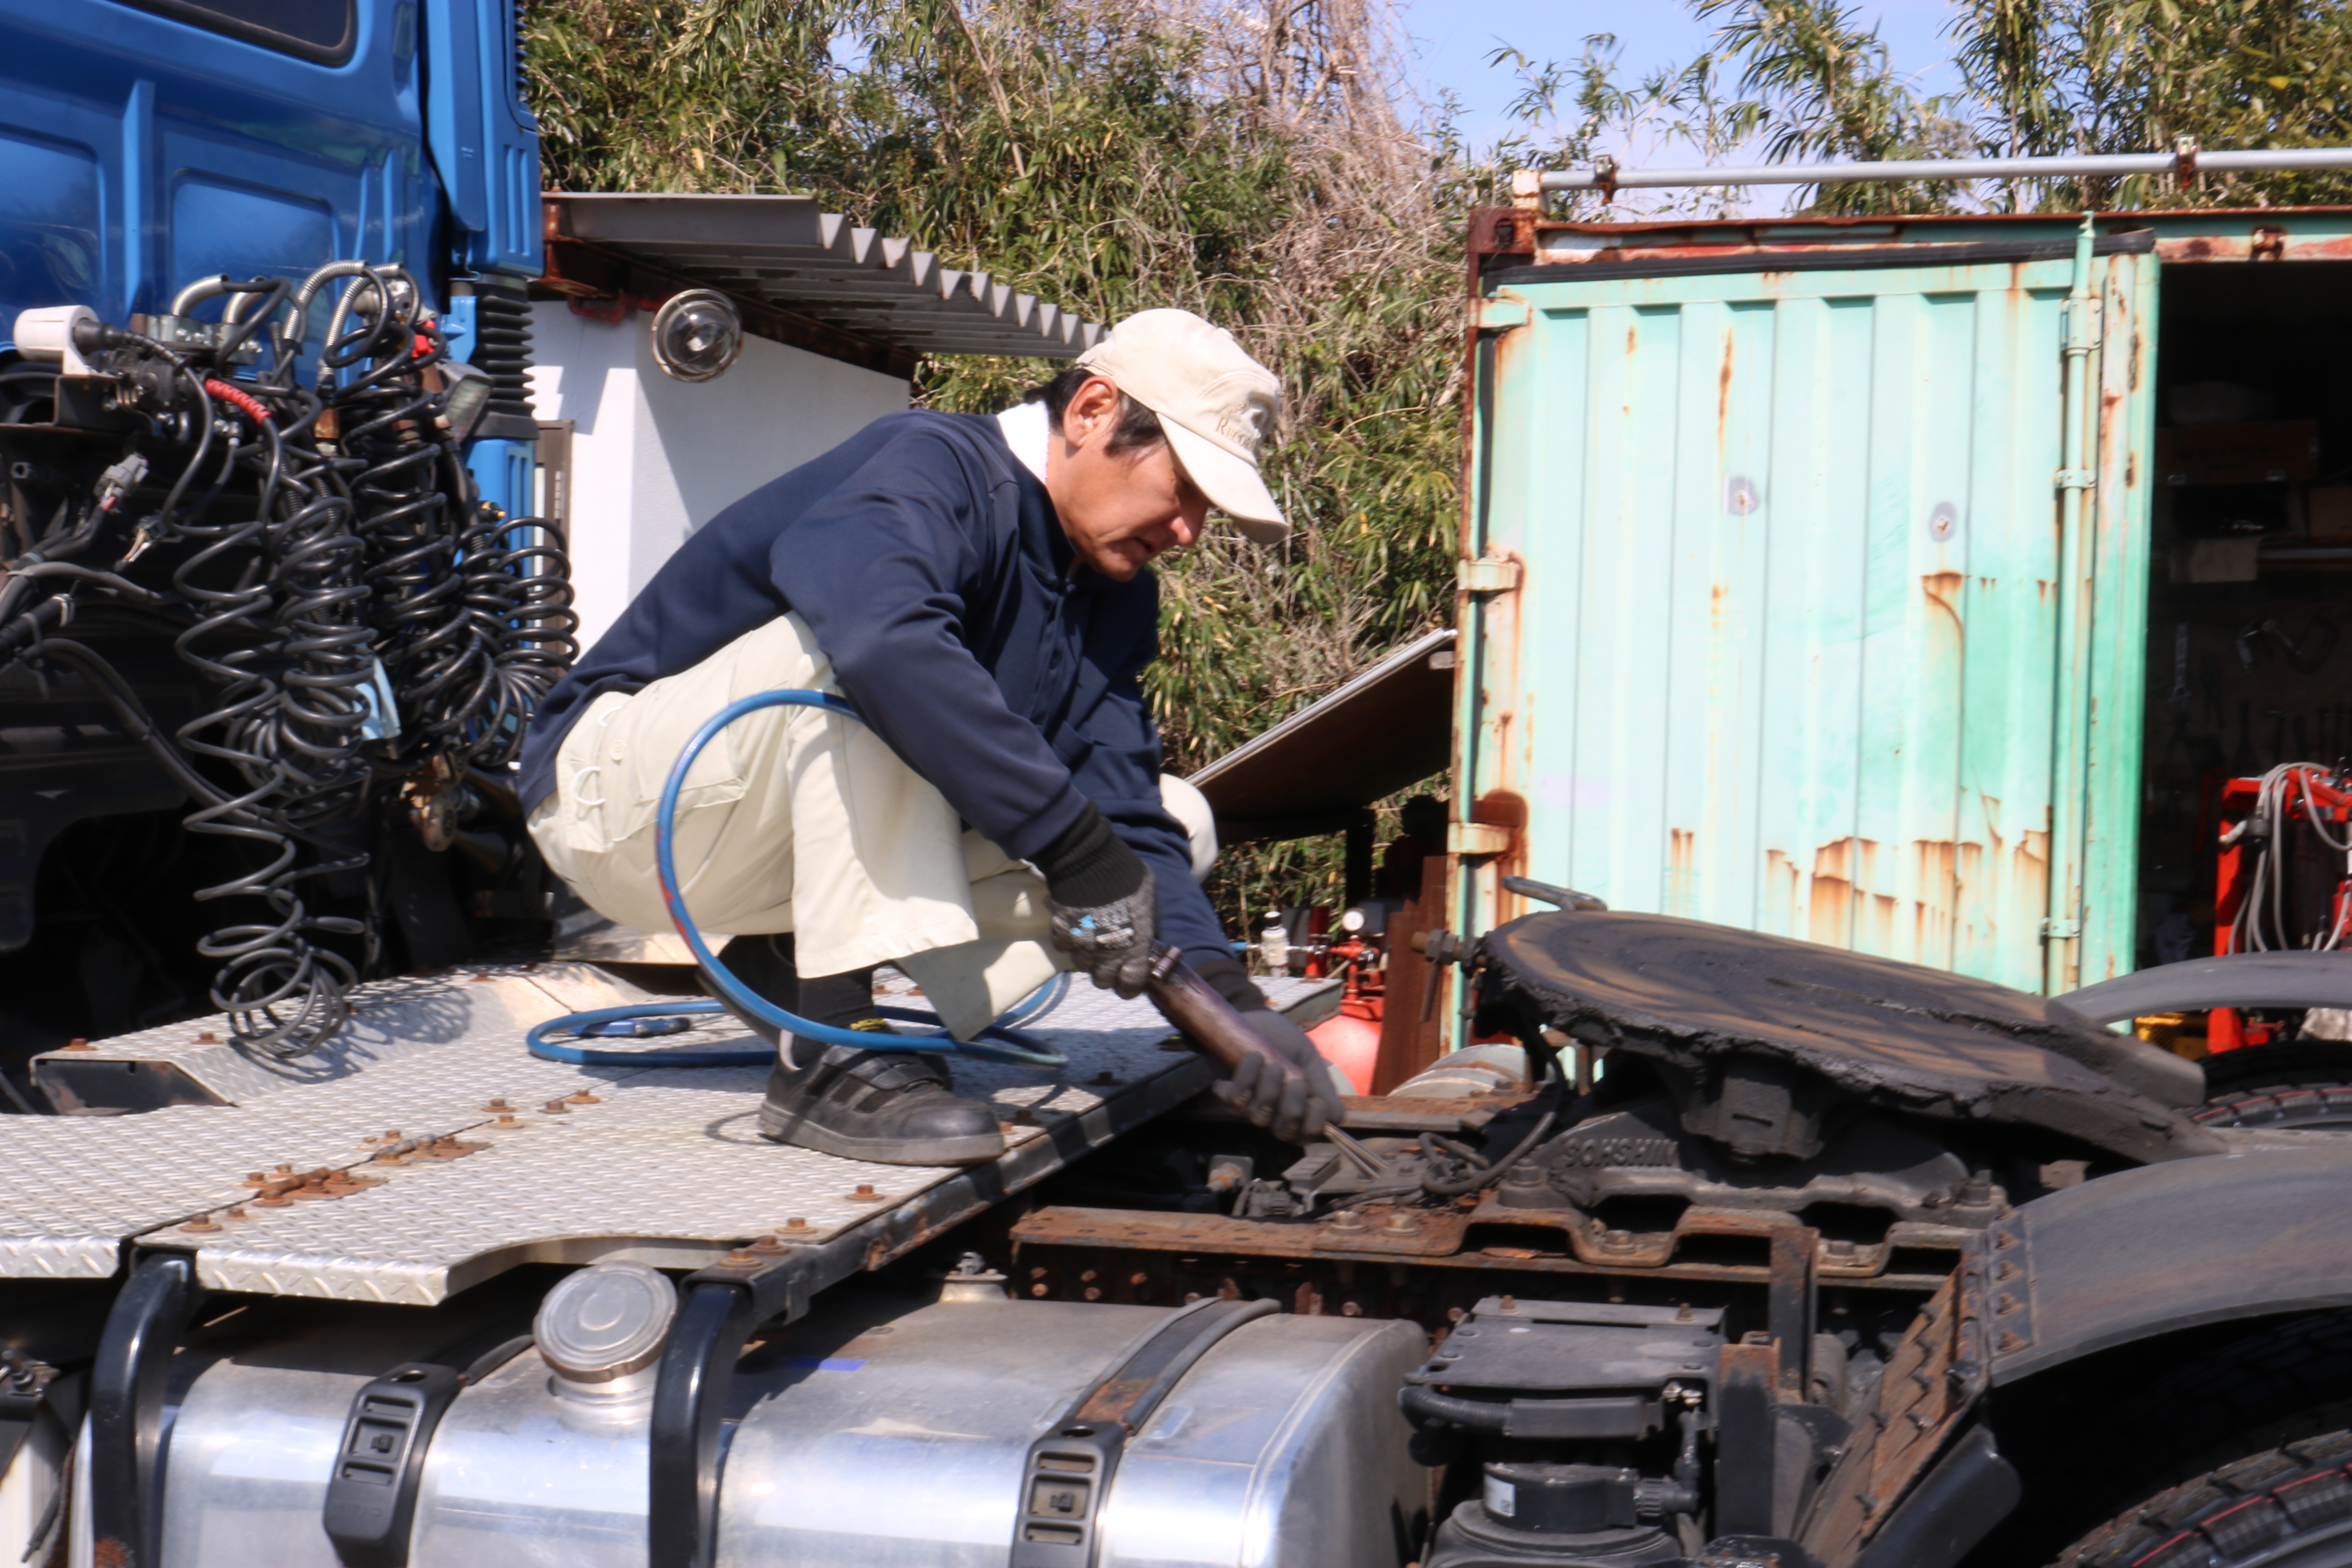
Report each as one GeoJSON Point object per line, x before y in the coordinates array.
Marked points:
{"type": "Point", "coordinates": [661, 1164]}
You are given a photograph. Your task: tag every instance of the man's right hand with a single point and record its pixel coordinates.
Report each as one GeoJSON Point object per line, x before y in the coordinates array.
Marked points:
{"type": "Point", "coordinates": [1102, 905]}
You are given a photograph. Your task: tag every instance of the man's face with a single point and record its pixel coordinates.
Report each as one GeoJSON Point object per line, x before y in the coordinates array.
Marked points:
{"type": "Point", "coordinates": [1121, 510]}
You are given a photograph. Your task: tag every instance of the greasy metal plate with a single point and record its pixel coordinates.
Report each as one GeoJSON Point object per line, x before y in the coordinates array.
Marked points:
{"type": "Point", "coordinates": [662, 1164]}
{"type": "Point", "coordinates": [1935, 1042]}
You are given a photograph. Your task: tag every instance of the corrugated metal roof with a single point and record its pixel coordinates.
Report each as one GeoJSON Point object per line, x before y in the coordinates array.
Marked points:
{"type": "Point", "coordinates": [1313, 773]}
{"type": "Point", "coordinates": [785, 252]}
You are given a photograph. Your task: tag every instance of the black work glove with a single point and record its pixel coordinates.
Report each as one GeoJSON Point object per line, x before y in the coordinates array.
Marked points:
{"type": "Point", "coordinates": [1295, 1109]}
{"type": "Point", "coordinates": [1101, 903]}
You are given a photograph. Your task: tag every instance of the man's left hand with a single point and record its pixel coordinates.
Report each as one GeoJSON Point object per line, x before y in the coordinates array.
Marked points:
{"type": "Point", "coordinates": [1294, 1107]}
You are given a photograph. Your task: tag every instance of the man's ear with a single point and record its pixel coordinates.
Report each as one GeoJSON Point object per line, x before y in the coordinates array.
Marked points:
{"type": "Point", "coordinates": [1093, 404]}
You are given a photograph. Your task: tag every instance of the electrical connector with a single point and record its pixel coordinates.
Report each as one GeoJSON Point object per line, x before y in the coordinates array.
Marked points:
{"type": "Point", "coordinates": [120, 481]}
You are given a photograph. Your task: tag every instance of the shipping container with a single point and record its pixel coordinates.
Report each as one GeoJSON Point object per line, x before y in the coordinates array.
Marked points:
{"type": "Point", "coordinates": [1788, 602]}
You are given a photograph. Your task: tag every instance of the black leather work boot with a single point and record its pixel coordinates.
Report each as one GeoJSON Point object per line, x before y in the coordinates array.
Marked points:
{"type": "Point", "coordinates": [893, 1107]}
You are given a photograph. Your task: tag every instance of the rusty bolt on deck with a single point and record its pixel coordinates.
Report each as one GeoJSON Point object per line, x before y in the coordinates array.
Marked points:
{"type": "Point", "coordinates": [582, 1097]}
{"type": "Point", "coordinates": [796, 1222]}
{"type": "Point", "coordinates": [768, 1247]}
{"type": "Point", "coordinates": [1106, 1076]}
{"type": "Point", "coordinates": [556, 1108]}
{"type": "Point", "coordinates": [509, 1119]}
{"type": "Point", "coordinates": [202, 1224]}
{"type": "Point", "coordinates": [79, 1044]}
{"type": "Point", "coordinates": [1403, 1222]}
{"type": "Point", "coordinates": [867, 1194]}
{"type": "Point", "coordinates": [498, 1104]}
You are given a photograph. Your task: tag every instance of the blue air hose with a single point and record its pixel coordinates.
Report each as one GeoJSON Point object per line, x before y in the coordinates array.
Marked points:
{"type": "Point", "coordinates": [1000, 1041]}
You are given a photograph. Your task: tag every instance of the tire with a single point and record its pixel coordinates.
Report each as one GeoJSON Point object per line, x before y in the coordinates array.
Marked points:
{"type": "Point", "coordinates": [2316, 1107]}
{"type": "Point", "coordinates": [2150, 1431]}
{"type": "Point", "coordinates": [2293, 1064]}
{"type": "Point", "coordinates": [2286, 1508]}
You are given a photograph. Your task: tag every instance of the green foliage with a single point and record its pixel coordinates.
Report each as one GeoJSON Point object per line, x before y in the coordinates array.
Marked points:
{"type": "Point", "coordinates": [1249, 164]}
{"type": "Point", "coordinates": [2115, 76]}
{"type": "Point", "coordinates": [1809, 82]}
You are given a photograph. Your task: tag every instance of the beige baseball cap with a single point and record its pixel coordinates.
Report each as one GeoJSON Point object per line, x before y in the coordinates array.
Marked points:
{"type": "Point", "coordinates": [1215, 403]}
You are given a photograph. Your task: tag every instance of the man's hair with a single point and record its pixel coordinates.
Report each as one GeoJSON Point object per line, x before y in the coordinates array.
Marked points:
{"type": "Point", "coordinates": [1138, 426]}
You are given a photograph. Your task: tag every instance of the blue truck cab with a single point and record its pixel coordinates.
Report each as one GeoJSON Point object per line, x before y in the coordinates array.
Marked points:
{"type": "Point", "coordinates": [144, 148]}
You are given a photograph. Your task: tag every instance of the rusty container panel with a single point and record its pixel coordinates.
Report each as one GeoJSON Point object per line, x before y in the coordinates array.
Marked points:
{"type": "Point", "coordinates": [1782, 652]}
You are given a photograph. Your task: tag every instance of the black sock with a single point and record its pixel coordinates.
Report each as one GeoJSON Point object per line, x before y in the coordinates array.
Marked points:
{"type": "Point", "coordinates": [765, 964]}
{"type": "Point", "coordinates": [845, 1001]}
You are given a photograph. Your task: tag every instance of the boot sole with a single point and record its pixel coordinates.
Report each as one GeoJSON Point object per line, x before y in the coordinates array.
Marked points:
{"type": "Point", "coordinates": [972, 1148]}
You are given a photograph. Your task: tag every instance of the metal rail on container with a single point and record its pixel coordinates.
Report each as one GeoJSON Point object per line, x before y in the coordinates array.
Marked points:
{"type": "Point", "coordinates": [1606, 174]}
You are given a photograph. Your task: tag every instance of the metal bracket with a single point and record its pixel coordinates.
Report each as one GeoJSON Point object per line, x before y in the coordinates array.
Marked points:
{"type": "Point", "coordinates": [2075, 479]}
{"type": "Point", "coordinates": [1477, 839]}
{"type": "Point", "coordinates": [372, 1497]}
{"type": "Point", "coordinates": [1487, 575]}
{"type": "Point", "coordinates": [2061, 930]}
{"type": "Point", "coordinates": [1069, 1470]}
{"type": "Point", "coordinates": [23, 1389]}
{"type": "Point", "coordinates": [1503, 313]}
{"type": "Point", "coordinates": [2086, 321]}
{"type": "Point", "coordinates": [126, 1408]}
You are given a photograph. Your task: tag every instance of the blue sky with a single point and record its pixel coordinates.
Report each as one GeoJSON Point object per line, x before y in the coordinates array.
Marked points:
{"type": "Point", "coordinates": [1453, 41]}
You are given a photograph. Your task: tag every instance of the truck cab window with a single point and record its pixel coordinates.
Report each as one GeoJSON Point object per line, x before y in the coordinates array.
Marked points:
{"type": "Point", "coordinates": [320, 30]}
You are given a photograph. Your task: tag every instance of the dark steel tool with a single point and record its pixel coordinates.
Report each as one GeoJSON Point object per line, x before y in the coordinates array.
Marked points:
{"type": "Point", "coordinates": [1218, 1032]}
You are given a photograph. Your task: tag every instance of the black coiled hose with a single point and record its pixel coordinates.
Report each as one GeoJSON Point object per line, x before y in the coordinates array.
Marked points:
{"type": "Point", "coordinates": [363, 557]}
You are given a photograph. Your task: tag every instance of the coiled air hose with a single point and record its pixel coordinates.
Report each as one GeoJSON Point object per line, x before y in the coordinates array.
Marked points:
{"type": "Point", "coordinates": [1000, 1041]}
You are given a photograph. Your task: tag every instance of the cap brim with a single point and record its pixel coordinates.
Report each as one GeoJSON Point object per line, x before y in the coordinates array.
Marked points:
{"type": "Point", "coordinates": [1231, 483]}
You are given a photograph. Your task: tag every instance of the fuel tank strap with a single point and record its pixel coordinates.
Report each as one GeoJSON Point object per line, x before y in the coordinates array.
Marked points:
{"type": "Point", "coordinates": [126, 1408]}
{"type": "Point", "coordinates": [1070, 1468]}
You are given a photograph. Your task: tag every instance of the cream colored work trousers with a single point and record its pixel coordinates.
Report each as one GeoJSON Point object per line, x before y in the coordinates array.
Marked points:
{"type": "Point", "coordinates": [794, 819]}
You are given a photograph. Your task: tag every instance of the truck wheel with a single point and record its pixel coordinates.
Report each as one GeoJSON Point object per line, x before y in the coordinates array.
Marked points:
{"type": "Point", "coordinates": [2293, 1064]}
{"type": "Point", "coordinates": [2144, 1430]}
{"type": "Point", "coordinates": [2286, 1508]}
{"type": "Point", "coordinates": [2318, 1106]}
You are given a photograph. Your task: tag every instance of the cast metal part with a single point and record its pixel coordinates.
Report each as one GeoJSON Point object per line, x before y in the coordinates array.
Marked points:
{"type": "Point", "coordinates": [497, 1158]}
{"type": "Point", "coordinates": [1761, 1036]}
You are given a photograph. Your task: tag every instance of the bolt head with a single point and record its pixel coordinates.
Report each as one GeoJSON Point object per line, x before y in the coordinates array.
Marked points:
{"type": "Point", "coordinates": [796, 1222]}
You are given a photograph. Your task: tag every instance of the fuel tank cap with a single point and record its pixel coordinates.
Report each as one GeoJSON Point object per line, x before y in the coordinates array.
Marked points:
{"type": "Point", "coordinates": [605, 1321]}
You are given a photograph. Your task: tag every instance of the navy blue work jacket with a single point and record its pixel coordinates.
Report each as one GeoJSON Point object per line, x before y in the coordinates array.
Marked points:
{"type": "Point", "coordinates": [932, 568]}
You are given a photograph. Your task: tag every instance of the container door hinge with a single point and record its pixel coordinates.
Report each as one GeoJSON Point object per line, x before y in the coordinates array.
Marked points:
{"type": "Point", "coordinates": [2077, 479]}
{"type": "Point", "coordinates": [1489, 575]}
{"type": "Point", "coordinates": [1477, 839]}
{"type": "Point", "coordinates": [2061, 930]}
{"type": "Point", "coordinates": [2086, 321]}
{"type": "Point", "coordinates": [1503, 314]}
